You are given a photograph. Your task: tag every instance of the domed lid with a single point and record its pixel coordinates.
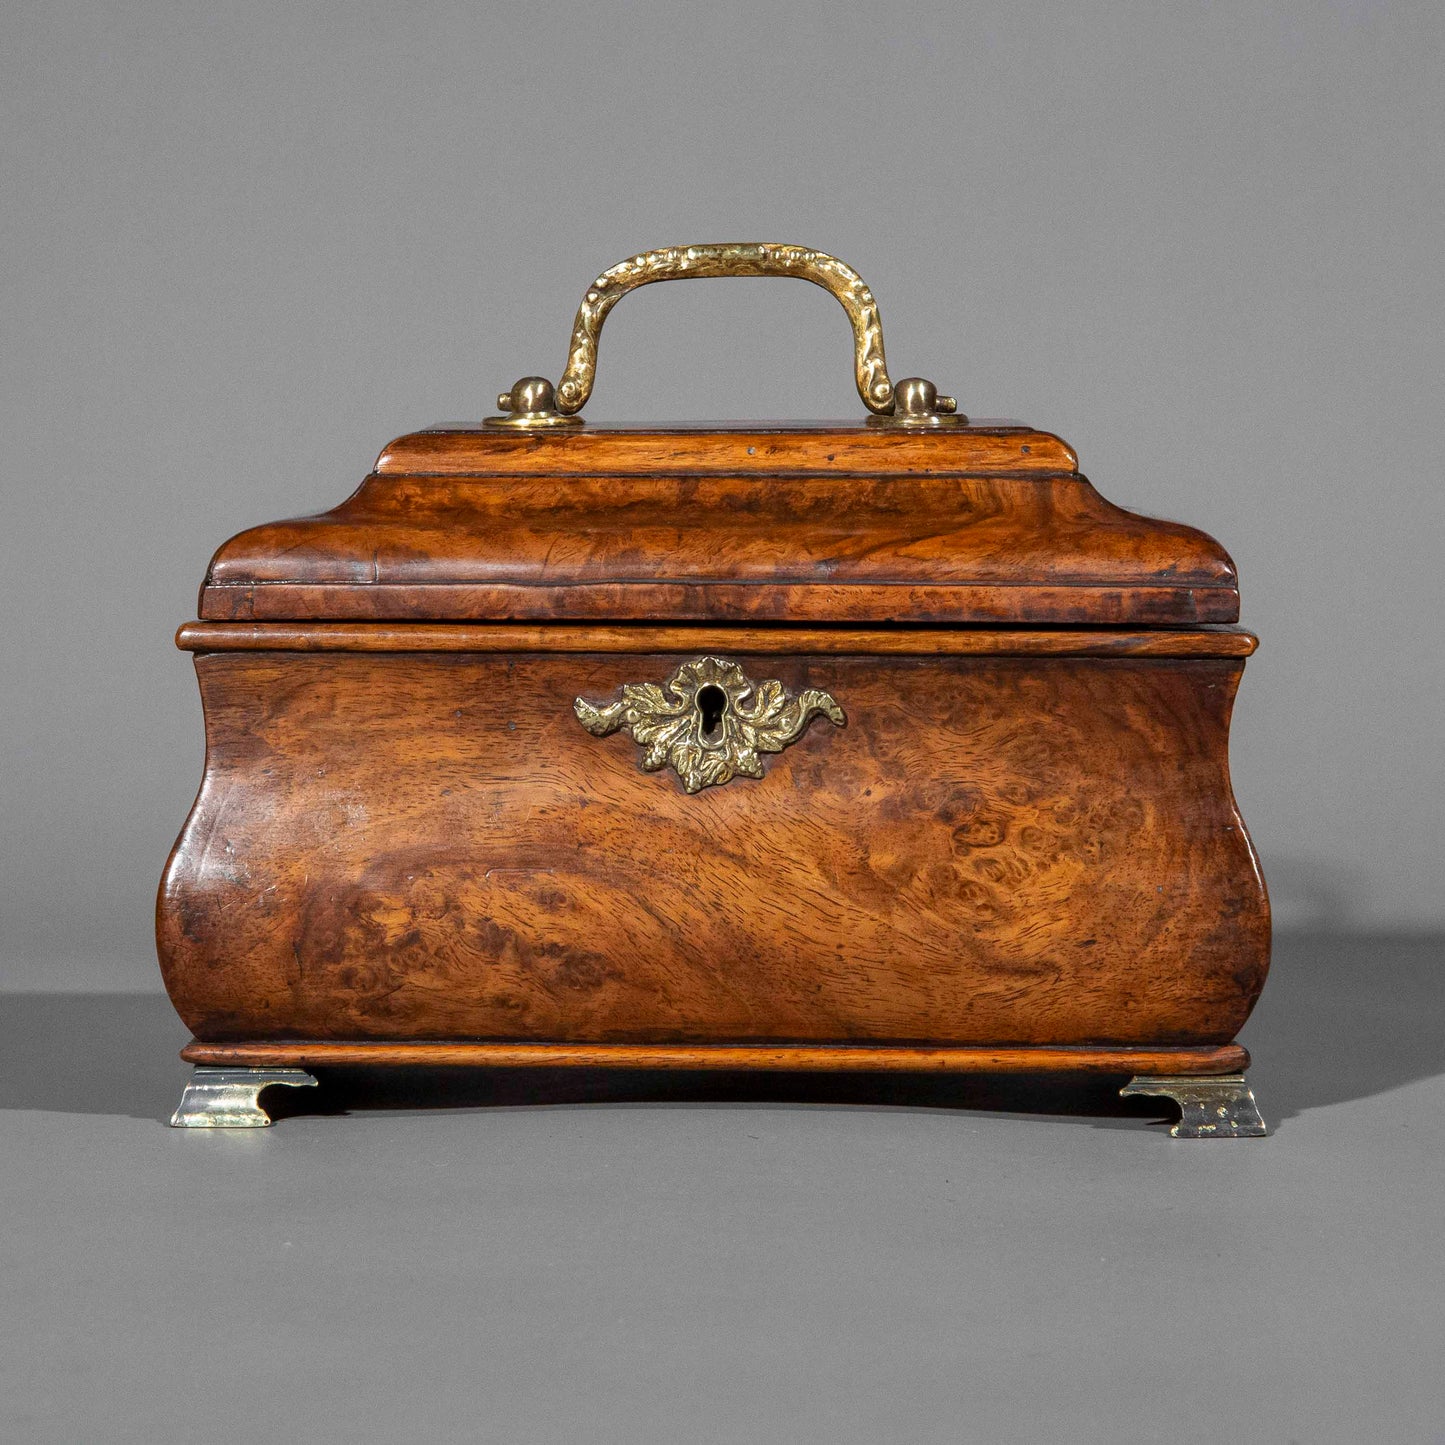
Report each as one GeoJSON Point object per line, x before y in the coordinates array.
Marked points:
{"type": "Point", "coordinates": [913, 514]}
{"type": "Point", "coordinates": [989, 523]}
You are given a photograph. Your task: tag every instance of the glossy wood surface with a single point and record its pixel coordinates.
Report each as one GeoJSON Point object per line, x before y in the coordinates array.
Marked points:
{"type": "Point", "coordinates": [860, 525]}
{"type": "Point", "coordinates": [1225, 1059]}
{"type": "Point", "coordinates": [1000, 603]}
{"type": "Point", "coordinates": [561, 637]}
{"type": "Point", "coordinates": [994, 851]}
{"type": "Point", "coordinates": [736, 448]}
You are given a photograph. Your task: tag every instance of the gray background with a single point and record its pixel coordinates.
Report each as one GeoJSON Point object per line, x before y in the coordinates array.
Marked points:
{"type": "Point", "coordinates": [766, 1261]}
{"type": "Point", "coordinates": [245, 244]}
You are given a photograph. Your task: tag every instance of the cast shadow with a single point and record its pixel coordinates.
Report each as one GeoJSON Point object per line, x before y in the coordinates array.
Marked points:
{"type": "Point", "coordinates": [1088, 1098]}
{"type": "Point", "coordinates": [1341, 1018]}
{"type": "Point", "coordinates": [116, 1053]}
{"type": "Point", "coordinates": [1346, 1017]}
{"type": "Point", "coordinates": [91, 1053]}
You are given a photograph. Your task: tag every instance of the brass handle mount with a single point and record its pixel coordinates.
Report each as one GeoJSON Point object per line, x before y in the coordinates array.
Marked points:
{"type": "Point", "coordinates": [534, 402]}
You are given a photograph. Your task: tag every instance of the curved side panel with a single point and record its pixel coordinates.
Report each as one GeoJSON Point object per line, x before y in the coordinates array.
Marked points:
{"type": "Point", "coordinates": [992, 850]}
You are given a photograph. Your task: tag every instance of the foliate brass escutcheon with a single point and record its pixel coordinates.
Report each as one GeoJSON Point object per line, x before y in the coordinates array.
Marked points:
{"type": "Point", "coordinates": [709, 721]}
{"type": "Point", "coordinates": [915, 402]}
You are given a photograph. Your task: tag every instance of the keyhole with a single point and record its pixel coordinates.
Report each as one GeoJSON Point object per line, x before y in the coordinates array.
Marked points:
{"type": "Point", "coordinates": [712, 702]}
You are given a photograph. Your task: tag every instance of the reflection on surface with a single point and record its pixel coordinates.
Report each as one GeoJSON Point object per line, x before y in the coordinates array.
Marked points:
{"type": "Point", "coordinates": [1341, 1018]}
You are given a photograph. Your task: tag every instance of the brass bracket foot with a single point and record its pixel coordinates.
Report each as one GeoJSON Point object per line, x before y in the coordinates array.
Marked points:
{"type": "Point", "coordinates": [1217, 1107]}
{"type": "Point", "coordinates": [231, 1098]}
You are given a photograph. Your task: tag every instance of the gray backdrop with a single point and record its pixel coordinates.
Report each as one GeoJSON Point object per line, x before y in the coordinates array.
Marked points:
{"type": "Point", "coordinates": [245, 244]}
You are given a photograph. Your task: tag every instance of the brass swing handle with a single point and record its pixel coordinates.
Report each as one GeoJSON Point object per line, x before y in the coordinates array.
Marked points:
{"type": "Point", "coordinates": [533, 401]}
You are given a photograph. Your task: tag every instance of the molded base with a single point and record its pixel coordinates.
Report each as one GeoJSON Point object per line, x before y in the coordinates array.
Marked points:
{"type": "Point", "coordinates": [1214, 1099]}
{"type": "Point", "coordinates": [1208, 1059]}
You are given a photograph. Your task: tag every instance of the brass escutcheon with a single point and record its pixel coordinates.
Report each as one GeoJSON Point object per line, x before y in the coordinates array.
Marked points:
{"type": "Point", "coordinates": [709, 721]}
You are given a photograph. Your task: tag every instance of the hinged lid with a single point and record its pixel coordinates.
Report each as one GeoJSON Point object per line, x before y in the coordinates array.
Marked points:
{"type": "Point", "coordinates": [915, 514]}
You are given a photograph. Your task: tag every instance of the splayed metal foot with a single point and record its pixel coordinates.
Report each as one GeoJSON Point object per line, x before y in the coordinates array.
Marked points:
{"type": "Point", "coordinates": [1218, 1107]}
{"type": "Point", "coordinates": [230, 1098]}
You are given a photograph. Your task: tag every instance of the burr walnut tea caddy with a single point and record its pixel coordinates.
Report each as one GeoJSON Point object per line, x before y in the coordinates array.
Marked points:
{"type": "Point", "coordinates": [873, 745]}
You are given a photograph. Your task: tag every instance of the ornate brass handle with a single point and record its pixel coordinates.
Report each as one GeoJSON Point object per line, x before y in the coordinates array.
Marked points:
{"type": "Point", "coordinates": [709, 721]}
{"type": "Point", "coordinates": [533, 401]}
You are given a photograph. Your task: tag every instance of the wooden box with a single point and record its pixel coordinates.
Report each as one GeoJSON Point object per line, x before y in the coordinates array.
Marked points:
{"type": "Point", "coordinates": [886, 744]}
